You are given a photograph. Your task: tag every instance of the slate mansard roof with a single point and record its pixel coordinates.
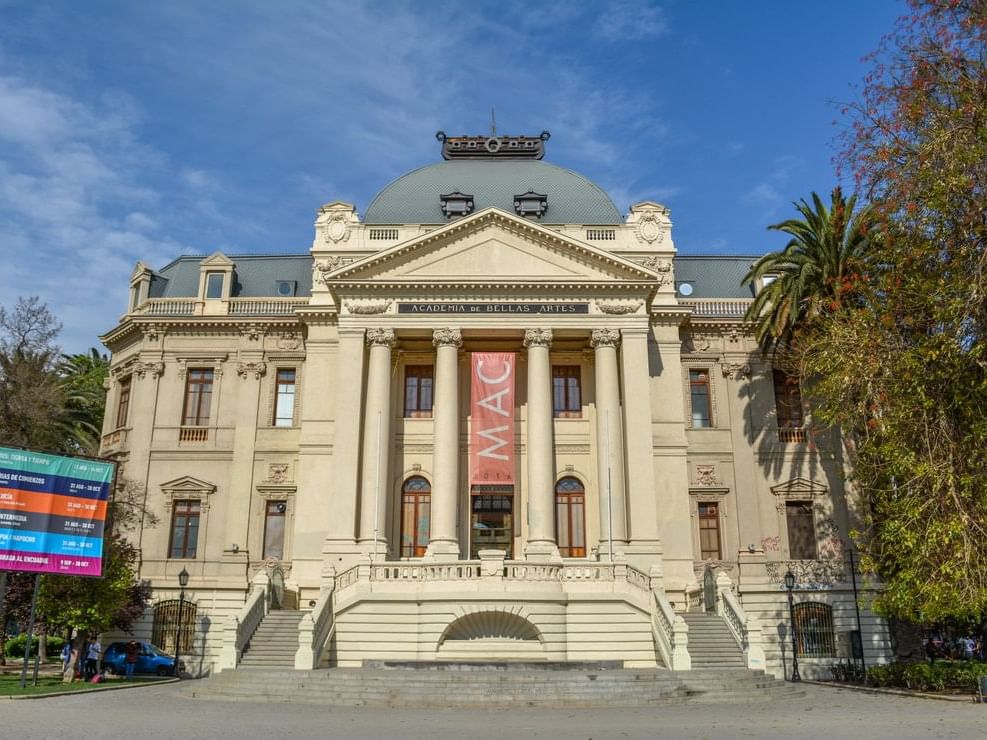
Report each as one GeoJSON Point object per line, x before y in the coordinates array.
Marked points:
{"type": "Point", "coordinates": [257, 276]}
{"type": "Point", "coordinates": [414, 198]}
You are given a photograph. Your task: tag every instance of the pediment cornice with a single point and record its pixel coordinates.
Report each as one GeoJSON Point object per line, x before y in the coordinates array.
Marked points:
{"type": "Point", "coordinates": [379, 267]}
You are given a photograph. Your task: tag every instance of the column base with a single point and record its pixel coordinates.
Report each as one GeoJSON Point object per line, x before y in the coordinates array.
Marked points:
{"type": "Point", "coordinates": [542, 552]}
{"type": "Point", "coordinates": [442, 551]}
{"type": "Point", "coordinates": [375, 551]}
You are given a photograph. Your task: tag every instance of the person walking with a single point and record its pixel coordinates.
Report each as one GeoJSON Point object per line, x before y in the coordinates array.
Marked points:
{"type": "Point", "coordinates": [133, 652]}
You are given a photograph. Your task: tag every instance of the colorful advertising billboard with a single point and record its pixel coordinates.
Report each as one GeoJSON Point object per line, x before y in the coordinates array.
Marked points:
{"type": "Point", "coordinates": [52, 512]}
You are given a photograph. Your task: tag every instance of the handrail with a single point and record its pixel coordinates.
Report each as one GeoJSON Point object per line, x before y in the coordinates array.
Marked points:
{"type": "Point", "coordinates": [315, 631]}
{"type": "Point", "coordinates": [243, 624]}
{"type": "Point", "coordinates": [746, 629]}
{"type": "Point", "coordinates": [671, 634]}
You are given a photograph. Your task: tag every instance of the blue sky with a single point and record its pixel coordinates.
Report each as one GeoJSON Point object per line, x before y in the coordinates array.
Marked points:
{"type": "Point", "coordinates": [140, 130]}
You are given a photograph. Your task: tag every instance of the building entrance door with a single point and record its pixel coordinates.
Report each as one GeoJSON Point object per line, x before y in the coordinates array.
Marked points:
{"type": "Point", "coordinates": [492, 517]}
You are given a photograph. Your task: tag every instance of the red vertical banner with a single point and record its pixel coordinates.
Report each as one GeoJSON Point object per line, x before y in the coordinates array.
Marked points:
{"type": "Point", "coordinates": [492, 415]}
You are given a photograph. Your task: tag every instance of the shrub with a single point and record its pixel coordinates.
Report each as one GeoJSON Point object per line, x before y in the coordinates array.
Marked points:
{"type": "Point", "coordinates": [14, 647]}
{"type": "Point", "coordinates": [956, 675]}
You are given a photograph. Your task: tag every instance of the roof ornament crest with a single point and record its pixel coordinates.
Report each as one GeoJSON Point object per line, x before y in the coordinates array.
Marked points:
{"type": "Point", "coordinates": [493, 146]}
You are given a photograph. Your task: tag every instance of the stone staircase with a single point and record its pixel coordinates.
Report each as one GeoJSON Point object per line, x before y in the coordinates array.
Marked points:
{"type": "Point", "coordinates": [489, 685]}
{"type": "Point", "coordinates": [711, 644]}
{"type": "Point", "coordinates": [275, 641]}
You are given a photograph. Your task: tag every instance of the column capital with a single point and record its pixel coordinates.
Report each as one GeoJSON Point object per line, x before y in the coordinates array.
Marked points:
{"type": "Point", "coordinates": [381, 337]}
{"type": "Point", "coordinates": [538, 338]}
{"type": "Point", "coordinates": [447, 338]}
{"type": "Point", "coordinates": [604, 338]}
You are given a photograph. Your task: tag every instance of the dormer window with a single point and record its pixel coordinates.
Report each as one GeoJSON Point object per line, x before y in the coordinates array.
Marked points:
{"type": "Point", "coordinates": [214, 285]}
{"type": "Point", "coordinates": [456, 204]}
{"type": "Point", "coordinates": [286, 288]}
{"type": "Point", "coordinates": [531, 204]}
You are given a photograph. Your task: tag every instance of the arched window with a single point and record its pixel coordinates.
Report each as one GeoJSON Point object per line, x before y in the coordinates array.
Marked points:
{"type": "Point", "coordinates": [570, 518]}
{"type": "Point", "coordinates": [416, 495]}
{"type": "Point", "coordinates": [814, 630]}
{"type": "Point", "coordinates": [169, 624]}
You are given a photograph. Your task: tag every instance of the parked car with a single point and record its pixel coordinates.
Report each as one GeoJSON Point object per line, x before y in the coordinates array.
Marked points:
{"type": "Point", "coordinates": [149, 660]}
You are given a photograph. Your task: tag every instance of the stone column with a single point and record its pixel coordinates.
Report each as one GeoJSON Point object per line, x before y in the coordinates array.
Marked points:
{"type": "Point", "coordinates": [376, 442]}
{"type": "Point", "coordinates": [443, 543]}
{"type": "Point", "coordinates": [642, 515]}
{"type": "Point", "coordinates": [610, 458]}
{"type": "Point", "coordinates": [540, 450]}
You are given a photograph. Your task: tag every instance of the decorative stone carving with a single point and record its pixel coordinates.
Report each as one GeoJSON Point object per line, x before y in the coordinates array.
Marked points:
{"type": "Point", "coordinates": [155, 369]}
{"type": "Point", "coordinates": [257, 369]}
{"type": "Point", "coordinates": [538, 338]}
{"type": "Point", "coordinates": [277, 473]}
{"type": "Point", "coordinates": [733, 335]}
{"type": "Point", "coordinates": [651, 222]}
{"type": "Point", "coordinates": [252, 332]}
{"type": "Point", "coordinates": [698, 342]}
{"type": "Point", "coordinates": [705, 475]}
{"type": "Point", "coordinates": [604, 338]}
{"type": "Point", "coordinates": [152, 332]}
{"type": "Point", "coordinates": [619, 307]}
{"type": "Point", "coordinates": [289, 340]}
{"type": "Point", "coordinates": [324, 267]}
{"type": "Point", "coordinates": [383, 337]}
{"type": "Point", "coordinates": [367, 307]}
{"type": "Point", "coordinates": [447, 337]}
{"type": "Point", "coordinates": [334, 222]}
{"type": "Point", "coordinates": [662, 267]}
{"type": "Point", "coordinates": [736, 370]}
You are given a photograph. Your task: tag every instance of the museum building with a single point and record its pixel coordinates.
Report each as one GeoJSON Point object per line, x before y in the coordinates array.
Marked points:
{"type": "Point", "coordinates": [490, 418]}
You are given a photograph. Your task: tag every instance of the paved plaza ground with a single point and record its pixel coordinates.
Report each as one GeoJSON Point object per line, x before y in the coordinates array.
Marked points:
{"type": "Point", "coordinates": [162, 712]}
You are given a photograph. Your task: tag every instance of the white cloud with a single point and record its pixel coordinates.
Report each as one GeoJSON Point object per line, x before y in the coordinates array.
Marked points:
{"type": "Point", "coordinates": [630, 20]}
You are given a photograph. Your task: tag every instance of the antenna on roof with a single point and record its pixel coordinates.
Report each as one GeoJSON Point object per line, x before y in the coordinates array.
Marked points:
{"type": "Point", "coordinates": [493, 121]}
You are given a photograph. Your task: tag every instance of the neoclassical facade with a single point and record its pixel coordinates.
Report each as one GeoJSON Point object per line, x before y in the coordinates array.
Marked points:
{"type": "Point", "coordinates": [490, 418]}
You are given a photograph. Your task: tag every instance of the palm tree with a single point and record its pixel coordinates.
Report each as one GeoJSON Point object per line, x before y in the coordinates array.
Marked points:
{"type": "Point", "coordinates": [825, 258]}
{"type": "Point", "coordinates": [82, 377]}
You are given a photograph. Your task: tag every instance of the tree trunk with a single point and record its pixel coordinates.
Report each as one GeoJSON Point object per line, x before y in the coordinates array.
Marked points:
{"type": "Point", "coordinates": [78, 645]}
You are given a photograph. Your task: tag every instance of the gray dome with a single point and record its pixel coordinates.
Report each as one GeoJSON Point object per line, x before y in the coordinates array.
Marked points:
{"type": "Point", "coordinates": [414, 198]}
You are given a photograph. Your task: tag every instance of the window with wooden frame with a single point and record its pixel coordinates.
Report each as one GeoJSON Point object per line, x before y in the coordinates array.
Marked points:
{"type": "Point", "coordinates": [418, 384]}
{"type": "Point", "coordinates": [416, 498]}
{"type": "Point", "coordinates": [801, 530]}
{"type": "Point", "coordinates": [788, 400]}
{"type": "Point", "coordinates": [198, 398]}
{"type": "Point", "coordinates": [699, 399]}
{"type": "Point", "coordinates": [274, 521]}
{"type": "Point", "coordinates": [123, 402]}
{"type": "Point", "coordinates": [567, 400]}
{"type": "Point", "coordinates": [570, 518]}
{"type": "Point", "coordinates": [709, 531]}
{"type": "Point", "coordinates": [284, 398]}
{"type": "Point", "coordinates": [184, 528]}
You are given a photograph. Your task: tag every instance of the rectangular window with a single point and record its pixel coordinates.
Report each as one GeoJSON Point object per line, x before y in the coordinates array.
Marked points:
{"type": "Point", "coordinates": [123, 402]}
{"type": "Point", "coordinates": [274, 517]}
{"type": "Point", "coordinates": [214, 285]}
{"type": "Point", "coordinates": [418, 391]}
{"type": "Point", "coordinates": [788, 400]}
{"type": "Point", "coordinates": [567, 401]}
{"type": "Point", "coordinates": [184, 529]}
{"type": "Point", "coordinates": [801, 530]}
{"type": "Point", "coordinates": [699, 397]}
{"type": "Point", "coordinates": [709, 531]}
{"type": "Point", "coordinates": [284, 404]}
{"type": "Point", "coordinates": [198, 398]}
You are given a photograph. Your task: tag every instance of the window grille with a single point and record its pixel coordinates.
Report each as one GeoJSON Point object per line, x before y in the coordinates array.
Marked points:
{"type": "Point", "coordinates": [814, 635]}
{"type": "Point", "coordinates": [168, 623]}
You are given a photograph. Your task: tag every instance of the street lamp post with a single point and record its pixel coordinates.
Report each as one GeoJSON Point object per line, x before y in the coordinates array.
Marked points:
{"type": "Point", "coordinates": [790, 584]}
{"type": "Point", "coordinates": [182, 583]}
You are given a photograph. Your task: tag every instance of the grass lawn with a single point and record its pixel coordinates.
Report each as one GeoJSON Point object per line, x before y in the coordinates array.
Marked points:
{"type": "Point", "coordinates": [11, 685]}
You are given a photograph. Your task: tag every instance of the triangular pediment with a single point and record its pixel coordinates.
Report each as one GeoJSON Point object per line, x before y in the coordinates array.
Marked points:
{"type": "Point", "coordinates": [216, 259]}
{"type": "Point", "coordinates": [188, 484]}
{"type": "Point", "coordinates": [799, 488]}
{"type": "Point", "coordinates": [491, 246]}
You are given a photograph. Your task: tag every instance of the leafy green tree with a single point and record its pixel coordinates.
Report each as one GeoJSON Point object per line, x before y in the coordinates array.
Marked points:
{"type": "Point", "coordinates": [821, 264]}
{"type": "Point", "coordinates": [84, 397]}
{"type": "Point", "coordinates": [902, 368]}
